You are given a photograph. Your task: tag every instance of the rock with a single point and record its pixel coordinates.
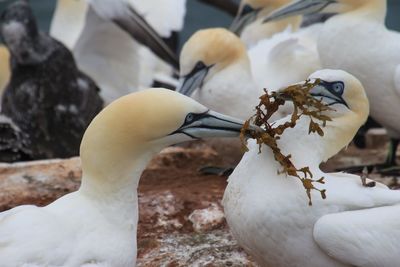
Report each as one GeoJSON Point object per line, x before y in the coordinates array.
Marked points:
{"type": "Point", "coordinates": [207, 219]}
{"type": "Point", "coordinates": [376, 138]}
{"type": "Point", "coordinates": [37, 182]}
{"type": "Point", "coordinates": [216, 248]}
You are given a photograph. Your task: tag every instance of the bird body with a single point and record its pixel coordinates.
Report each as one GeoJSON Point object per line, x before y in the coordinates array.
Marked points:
{"type": "Point", "coordinates": [370, 45]}
{"type": "Point", "coordinates": [95, 232]}
{"type": "Point", "coordinates": [96, 225]}
{"type": "Point", "coordinates": [268, 213]}
{"type": "Point", "coordinates": [127, 65]}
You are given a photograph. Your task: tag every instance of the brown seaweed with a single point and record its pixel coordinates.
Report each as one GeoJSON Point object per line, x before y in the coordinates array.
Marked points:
{"type": "Point", "coordinates": [304, 105]}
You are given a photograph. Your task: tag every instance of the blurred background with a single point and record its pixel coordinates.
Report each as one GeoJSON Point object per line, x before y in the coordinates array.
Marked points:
{"type": "Point", "coordinates": [199, 15]}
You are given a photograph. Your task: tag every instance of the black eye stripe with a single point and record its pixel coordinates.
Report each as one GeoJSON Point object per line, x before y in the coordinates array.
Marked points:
{"type": "Point", "coordinates": [199, 66]}
{"type": "Point", "coordinates": [246, 10]}
{"type": "Point", "coordinates": [333, 87]}
{"type": "Point", "coordinates": [191, 117]}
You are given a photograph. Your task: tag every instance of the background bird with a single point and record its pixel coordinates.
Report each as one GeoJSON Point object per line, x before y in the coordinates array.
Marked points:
{"type": "Point", "coordinates": [141, 55]}
{"type": "Point", "coordinates": [47, 97]}
{"type": "Point", "coordinates": [357, 40]}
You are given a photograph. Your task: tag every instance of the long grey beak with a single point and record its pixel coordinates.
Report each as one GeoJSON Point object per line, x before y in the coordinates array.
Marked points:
{"type": "Point", "coordinates": [213, 124]}
{"type": "Point", "coordinates": [192, 81]}
{"type": "Point", "coordinates": [135, 25]}
{"type": "Point", "coordinates": [246, 16]}
{"type": "Point", "coordinates": [300, 7]}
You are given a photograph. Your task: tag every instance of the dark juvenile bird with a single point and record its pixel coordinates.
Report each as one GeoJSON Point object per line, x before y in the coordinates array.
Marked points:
{"type": "Point", "coordinates": [48, 99]}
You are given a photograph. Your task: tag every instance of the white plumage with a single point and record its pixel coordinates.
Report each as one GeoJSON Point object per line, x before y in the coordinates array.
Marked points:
{"type": "Point", "coordinates": [104, 48]}
{"type": "Point", "coordinates": [96, 225]}
{"type": "Point", "coordinates": [269, 215]}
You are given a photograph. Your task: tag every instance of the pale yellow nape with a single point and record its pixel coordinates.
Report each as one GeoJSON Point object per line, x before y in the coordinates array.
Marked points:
{"type": "Point", "coordinates": [215, 46]}
{"type": "Point", "coordinates": [4, 67]}
{"type": "Point", "coordinates": [371, 8]}
{"type": "Point", "coordinates": [131, 126]}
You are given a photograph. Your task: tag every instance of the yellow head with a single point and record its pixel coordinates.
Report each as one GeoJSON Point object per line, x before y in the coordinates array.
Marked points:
{"type": "Point", "coordinates": [252, 11]}
{"type": "Point", "coordinates": [350, 107]}
{"type": "Point", "coordinates": [206, 53]}
{"type": "Point", "coordinates": [135, 127]}
{"type": "Point", "coordinates": [343, 92]}
{"type": "Point", "coordinates": [374, 8]}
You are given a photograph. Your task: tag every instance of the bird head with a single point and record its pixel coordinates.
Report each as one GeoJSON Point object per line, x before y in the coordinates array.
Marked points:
{"type": "Point", "coordinates": [19, 30]}
{"type": "Point", "coordinates": [342, 92]}
{"type": "Point", "coordinates": [251, 10]}
{"type": "Point", "coordinates": [206, 53]}
{"type": "Point", "coordinates": [139, 125]}
{"type": "Point", "coordinates": [307, 7]}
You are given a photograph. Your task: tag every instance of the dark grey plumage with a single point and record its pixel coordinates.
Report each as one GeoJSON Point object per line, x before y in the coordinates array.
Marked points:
{"type": "Point", "coordinates": [47, 98]}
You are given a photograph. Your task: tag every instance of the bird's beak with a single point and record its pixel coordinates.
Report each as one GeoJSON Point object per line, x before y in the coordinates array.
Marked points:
{"type": "Point", "coordinates": [213, 124]}
{"type": "Point", "coordinates": [300, 7]}
{"type": "Point", "coordinates": [324, 91]}
{"type": "Point", "coordinates": [246, 16]}
{"type": "Point", "coordinates": [135, 25]}
{"type": "Point", "coordinates": [192, 81]}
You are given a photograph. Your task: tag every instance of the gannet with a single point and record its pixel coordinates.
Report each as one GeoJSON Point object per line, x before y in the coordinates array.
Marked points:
{"type": "Point", "coordinates": [217, 62]}
{"type": "Point", "coordinates": [269, 215]}
{"type": "Point", "coordinates": [357, 40]}
{"type": "Point", "coordinates": [68, 21]}
{"type": "Point", "coordinates": [126, 65]}
{"type": "Point", "coordinates": [47, 98]}
{"type": "Point", "coordinates": [96, 225]}
{"type": "Point", "coordinates": [4, 67]}
{"type": "Point", "coordinates": [249, 21]}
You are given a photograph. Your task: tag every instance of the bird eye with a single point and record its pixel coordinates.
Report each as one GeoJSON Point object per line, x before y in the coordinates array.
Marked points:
{"type": "Point", "coordinates": [199, 65]}
{"type": "Point", "coordinates": [338, 88]}
{"type": "Point", "coordinates": [189, 118]}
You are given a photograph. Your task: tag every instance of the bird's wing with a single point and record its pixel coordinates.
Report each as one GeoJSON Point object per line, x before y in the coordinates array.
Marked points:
{"type": "Point", "coordinates": [367, 238]}
{"type": "Point", "coordinates": [123, 14]}
{"type": "Point", "coordinates": [366, 228]}
{"type": "Point", "coordinates": [164, 16]}
{"type": "Point", "coordinates": [397, 79]}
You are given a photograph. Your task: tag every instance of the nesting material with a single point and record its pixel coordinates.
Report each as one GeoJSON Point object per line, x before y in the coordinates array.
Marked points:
{"type": "Point", "coordinates": [304, 105]}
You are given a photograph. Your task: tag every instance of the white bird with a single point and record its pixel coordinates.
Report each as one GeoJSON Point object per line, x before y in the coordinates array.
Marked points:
{"type": "Point", "coordinates": [103, 46]}
{"type": "Point", "coordinates": [217, 62]}
{"type": "Point", "coordinates": [96, 225]}
{"type": "Point", "coordinates": [68, 21]}
{"type": "Point", "coordinates": [268, 212]}
{"type": "Point", "coordinates": [249, 21]}
{"type": "Point", "coordinates": [357, 40]}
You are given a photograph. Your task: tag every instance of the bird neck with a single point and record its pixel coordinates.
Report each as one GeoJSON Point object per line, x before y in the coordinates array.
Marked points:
{"type": "Point", "coordinates": [370, 9]}
{"type": "Point", "coordinates": [113, 173]}
{"type": "Point", "coordinates": [311, 149]}
{"type": "Point", "coordinates": [339, 132]}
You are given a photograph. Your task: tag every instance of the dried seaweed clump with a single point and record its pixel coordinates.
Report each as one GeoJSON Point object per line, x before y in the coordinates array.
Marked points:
{"type": "Point", "coordinates": [304, 105]}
